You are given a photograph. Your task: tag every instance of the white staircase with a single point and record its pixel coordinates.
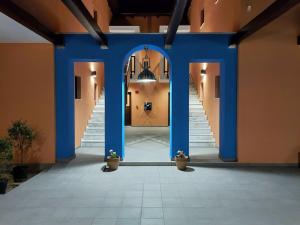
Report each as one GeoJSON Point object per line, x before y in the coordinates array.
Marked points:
{"type": "Point", "coordinates": [94, 133]}
{"type": "Point", "coordinates": [201, 137]}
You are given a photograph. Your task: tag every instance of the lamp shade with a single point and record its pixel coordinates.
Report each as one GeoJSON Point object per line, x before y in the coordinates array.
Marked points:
{"type": "Point", "coordinates": [146, 75]}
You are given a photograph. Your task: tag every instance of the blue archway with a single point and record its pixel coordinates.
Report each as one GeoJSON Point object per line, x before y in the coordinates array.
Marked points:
{"type": "Point", "coordinates": [186, 48]}
{"type": "Point", "coordinates": [162, 52]}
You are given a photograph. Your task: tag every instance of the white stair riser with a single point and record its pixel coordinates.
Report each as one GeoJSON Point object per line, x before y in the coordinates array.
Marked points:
{"type": "Point", "coordinates": [86, 144]}
{"type": "Point", "coordinates": [94, 131]}
{"type": "Point", "coordinates": [191, 114]}
{"type": "Point", "coordinates": [201, 137]}
{"type": "Point", "coordinates": [94, 137]}
{"type": "Point", "coordinates": [96, 119]}
{"type": "Point", "coordinates": [93, 124]}
{"type": "Point", "coordinates": [197, 119]}
{"type": "Point", "coordinates": [102, 114]}
{"type": "Point", "coordinates": [202, 144]}
{"type": "Point", "coordinates": [199, 131]}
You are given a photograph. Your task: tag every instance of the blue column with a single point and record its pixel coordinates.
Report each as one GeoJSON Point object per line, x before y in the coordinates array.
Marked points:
{"type": "Point", "coordinates": [114, 106]}
{"type": "Point", "coordinates": [228, 107]}
{"type": "Point", "coordinates": [64, 99]}
{"type": "Point", "coordinates": [179, 89]}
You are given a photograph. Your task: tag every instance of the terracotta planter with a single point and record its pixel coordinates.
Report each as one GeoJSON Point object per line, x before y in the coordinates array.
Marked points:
{"type": "Point", "coordinates": [113, 163]}
{"type": "Point", "coordinates": [181, 162]}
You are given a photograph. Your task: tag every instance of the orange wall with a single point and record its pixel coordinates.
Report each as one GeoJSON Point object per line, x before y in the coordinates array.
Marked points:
{"type": "Point", "coordinates": [157, 93]}
{"type": "Point", "coordinates": [221, 17]}
{"type": "Point", "coordinates": [148, 24]}
{"type": "Point", "coordinates": [58, 18]}
{"type": "Point", "coordinates": [210, 103]}
{"type": "Point", "coordinates": [27, 92]}
{"type": "Point", "coordinates": [268, 97]}
{"type": "Point", "coordinates": [85, 105]}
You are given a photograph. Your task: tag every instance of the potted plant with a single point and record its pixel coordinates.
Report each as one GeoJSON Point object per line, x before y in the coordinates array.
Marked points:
{"type": "Point", "coordinates": [181, 160]}
{"type": "Point", "coordinates": [21, 136]}
{"type": "Point", "coordinates": [113, 160]}
{"type": "Point", "coordinates": [5, 158]}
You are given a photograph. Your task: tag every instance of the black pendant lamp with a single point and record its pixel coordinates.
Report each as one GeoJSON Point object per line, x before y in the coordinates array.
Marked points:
{"type": "Point", "coordinates": [146, 75]}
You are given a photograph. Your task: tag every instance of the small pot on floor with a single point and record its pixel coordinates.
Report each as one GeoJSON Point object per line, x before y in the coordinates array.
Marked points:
{"type": "Point", "coordinates": [3, 186]}
{"type": "Point", "coordinates": [20, 173]}
{"type": "Point", "coordinates": [113, 163]}
{"type": "Point", "coordinates": [181, 162]}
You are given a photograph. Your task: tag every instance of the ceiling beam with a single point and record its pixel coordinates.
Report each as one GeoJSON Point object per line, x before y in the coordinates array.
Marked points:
{"type": "Point", "coordinates": [21, 16]}
{"type": "Point", "coordinates": [176, 18]}
{"type": "Point", "coordinates": [271, 13]}
{"type": "Point", "coordinates": [85, 18]}
{"type": "Point", "coordinates": [114, 6]}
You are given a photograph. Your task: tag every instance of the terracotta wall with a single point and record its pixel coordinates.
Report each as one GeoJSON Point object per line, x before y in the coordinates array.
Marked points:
{"type": "Point", "coordinates": [221, 17]}
{"type": "Point", "coordinates": [58, 18]}
{"type": "Point", "coordinates": [157, 93]}
{"type": "Point", "coordinates": [27, 92]}
{"type": "Point", "coordinates": [85, 105]}
{"type": "Point", "coordinates": [148, 24]}
{"type": "Point", "coordinates": [268, 97]}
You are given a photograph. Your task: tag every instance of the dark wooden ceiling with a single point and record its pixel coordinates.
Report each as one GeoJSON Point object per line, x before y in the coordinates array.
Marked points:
{"type": "Point", "coordinates": [123, 8]}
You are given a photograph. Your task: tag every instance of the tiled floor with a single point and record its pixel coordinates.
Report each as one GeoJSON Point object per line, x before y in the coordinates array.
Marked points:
{"type": "Point", "coordinates": [79, 193]}
{"type": "Point", "coordinates": [147, 144]}
{"type": "Point", "coordinates": [151, 144]}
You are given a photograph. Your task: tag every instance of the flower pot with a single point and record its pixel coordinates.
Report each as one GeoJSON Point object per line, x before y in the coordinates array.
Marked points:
{"type": "Point", "coordinates": [113, 163]}
{"type": "Point", "coordinates": [3, 186]}
{"type": "Point", "coordinates": [20, 173]}
{"type": "Point", "coordinates": [181, 162]}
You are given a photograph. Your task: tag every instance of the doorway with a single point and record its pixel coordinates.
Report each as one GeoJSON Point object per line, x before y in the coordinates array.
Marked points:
{"type": "Point", "coordinates": [204, 111]}
{"type": "Point", "coordinates": [89, 108]}
{"type": "Point", "coordinates": [147, 107]}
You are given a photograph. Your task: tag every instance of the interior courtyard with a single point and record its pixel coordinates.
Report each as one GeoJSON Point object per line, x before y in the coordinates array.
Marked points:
{"type": "Point", "coordinates": [147, 84]}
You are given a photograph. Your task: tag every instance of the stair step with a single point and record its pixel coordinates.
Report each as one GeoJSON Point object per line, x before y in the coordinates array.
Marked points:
{"type": "Point", "coordinates": [94, 137]}
{"type": "Point", "coordinates": [95, 124]}
{"type": "Point", "coordinates": [94, 129]}
{"type": "Point", "coordinates": [202, 144]}
{"type": "Point", "coordinates": [200, 138]}
{"type": "Point", "coordinates": [92, 145]}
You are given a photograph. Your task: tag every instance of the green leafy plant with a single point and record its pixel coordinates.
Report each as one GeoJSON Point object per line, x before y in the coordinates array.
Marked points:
{"type": "Point", "coordinates": [5, 177]}
{"type": "Point", "coordinates": [21, 136]}
{"type": "Point", "coordinates": [5, 155]}
{"type": "Point", "coordinates": [180, 154]}
{"type": "Point", "coordinates": [5, 149]}
{"type": "Point", "coordinates": [113, 154]}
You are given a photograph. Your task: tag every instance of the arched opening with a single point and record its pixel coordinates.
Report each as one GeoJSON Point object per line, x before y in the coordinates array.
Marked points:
{"type": "Point", "coordinates": [147, 105]}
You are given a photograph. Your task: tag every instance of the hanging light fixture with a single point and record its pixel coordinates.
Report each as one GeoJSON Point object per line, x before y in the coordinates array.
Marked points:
{"type": "Point", "coordinates": [146, 75]}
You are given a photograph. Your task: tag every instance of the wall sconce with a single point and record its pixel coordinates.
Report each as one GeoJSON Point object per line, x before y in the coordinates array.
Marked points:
{"type": "Point", "coordinates": [203, 72]}
{"type": "Point", "coordinates": [93, 74]}
{"type": "Point", "coordinates": [248, 6]}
